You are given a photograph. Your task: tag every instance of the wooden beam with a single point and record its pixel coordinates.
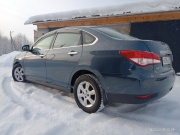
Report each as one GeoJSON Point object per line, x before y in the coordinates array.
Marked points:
{"type": "Point", "coordinates": [173, 15]}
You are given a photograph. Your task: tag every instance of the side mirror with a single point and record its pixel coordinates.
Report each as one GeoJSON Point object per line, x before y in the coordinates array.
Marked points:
{"type": "Point", "coordinates": [26, 47]}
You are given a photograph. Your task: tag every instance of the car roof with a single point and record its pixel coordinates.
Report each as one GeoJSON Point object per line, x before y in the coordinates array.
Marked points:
{"type": "Point", "coordinates": [93, 30]}
{"type": "Point", "coordinates": [73, 27]}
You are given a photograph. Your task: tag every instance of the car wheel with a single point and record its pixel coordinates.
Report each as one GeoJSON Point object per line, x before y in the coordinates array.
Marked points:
{"type": "Point", "coordinates": [18, 73]}
{"type": "Point", "coordinates": [88, 93]}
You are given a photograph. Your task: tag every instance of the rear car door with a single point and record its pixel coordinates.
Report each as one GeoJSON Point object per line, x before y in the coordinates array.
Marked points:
{"type": "Point", "coordinates": [63, 57]}
{"type": "Point", "coordinates": [34, 61]}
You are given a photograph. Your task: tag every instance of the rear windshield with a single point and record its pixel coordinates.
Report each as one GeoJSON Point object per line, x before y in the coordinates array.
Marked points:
{"type": "Point", "coordinates": [113, 33]}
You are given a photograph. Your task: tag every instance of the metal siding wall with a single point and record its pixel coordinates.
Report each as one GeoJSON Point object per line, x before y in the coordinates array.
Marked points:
{"type": "Point", "coordinates": [121, 27]}
{"type": "Point", "coordinates": [165, 31]}
{"type": "Point", "coordinates": [41, 32]}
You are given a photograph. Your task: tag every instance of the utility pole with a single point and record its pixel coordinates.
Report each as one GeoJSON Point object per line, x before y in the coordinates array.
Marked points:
{"type": "Point", "coordinates": [11, 40]}
{"type": "Point", "coordinates": [12, 45]}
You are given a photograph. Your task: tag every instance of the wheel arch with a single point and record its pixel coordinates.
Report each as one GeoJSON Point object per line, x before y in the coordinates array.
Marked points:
{"type": "Point", "coordinates": [79, 73]}
{"type": "Point", "coordinates": [92, 72]}
{"type": "Point", "coordinates": [16, 63]}
{"type": "Point", "coordinates": [19, 77]}
{"type": "Point", "coordinates": [84, 70]}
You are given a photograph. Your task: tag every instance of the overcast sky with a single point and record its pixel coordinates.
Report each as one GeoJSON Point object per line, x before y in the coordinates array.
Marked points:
{"type": "Point", "coordinates": [13, 13]}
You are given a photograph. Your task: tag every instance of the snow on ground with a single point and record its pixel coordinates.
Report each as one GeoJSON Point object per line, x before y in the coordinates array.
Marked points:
{"type": "Point", "coordinates": [31, 109]}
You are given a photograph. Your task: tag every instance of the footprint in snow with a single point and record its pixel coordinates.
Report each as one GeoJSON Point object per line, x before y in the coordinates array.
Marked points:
{"type": "Point", "coordinates": [30, 91]}
{"type": "Point", "coordinates": [27, 115]}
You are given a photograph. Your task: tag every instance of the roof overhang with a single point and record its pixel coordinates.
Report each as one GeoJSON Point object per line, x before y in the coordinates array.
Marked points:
{"type": "Point", "coordinates": [127, 10]}
{"type": "Point", "coordinates": [160, 16]}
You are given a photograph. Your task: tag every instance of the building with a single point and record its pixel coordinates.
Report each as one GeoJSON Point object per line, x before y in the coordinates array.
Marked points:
{"type": "Point", "coordinates": [154, 21]}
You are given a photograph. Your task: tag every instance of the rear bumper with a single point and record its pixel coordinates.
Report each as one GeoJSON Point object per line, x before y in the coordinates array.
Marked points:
{"type": "Point", "coordinates": [126, 89]}
{"type": "Point", "coordinates": [132, 99]}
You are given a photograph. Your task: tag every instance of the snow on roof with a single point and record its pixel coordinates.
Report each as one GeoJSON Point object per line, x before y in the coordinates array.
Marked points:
{"type": "Point", "coordinates": [117, 10]}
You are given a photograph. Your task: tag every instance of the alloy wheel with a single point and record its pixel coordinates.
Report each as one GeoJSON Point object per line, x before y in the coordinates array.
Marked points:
{"type": "Point", "coordinates": [86, 94]}
{"type": "Point", "coordinates": [18, 74]}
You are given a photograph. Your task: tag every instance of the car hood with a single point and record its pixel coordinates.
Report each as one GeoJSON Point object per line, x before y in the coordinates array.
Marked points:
{"type": "Point", "coordinates": [20, 56]}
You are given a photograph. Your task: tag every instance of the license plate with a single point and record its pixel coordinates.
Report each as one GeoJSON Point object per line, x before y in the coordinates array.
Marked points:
{"type": "Point", "coordinates": [166, 60]}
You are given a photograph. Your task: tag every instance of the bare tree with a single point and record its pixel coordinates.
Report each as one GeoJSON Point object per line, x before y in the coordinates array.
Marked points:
{"type": "Point", "coordinates": [20, 40]}
{"type": "Point", "coordinates": [5, 45]}
{"type": "Point", "coordinates": [14, 44]}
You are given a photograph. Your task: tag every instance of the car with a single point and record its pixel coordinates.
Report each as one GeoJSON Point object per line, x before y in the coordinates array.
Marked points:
{"type": "Point", "coordinates": [99, 65]}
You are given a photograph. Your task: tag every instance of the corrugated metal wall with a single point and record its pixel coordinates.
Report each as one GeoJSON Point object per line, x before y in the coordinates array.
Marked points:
{"type": "Point", "coordinates": [165, 31]}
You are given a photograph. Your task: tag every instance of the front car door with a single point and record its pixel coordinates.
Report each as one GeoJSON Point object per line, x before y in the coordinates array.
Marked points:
{"type": "Point", "coordinates": [63, 57]}
{"type": "Point", "coordinates": [35, 60]}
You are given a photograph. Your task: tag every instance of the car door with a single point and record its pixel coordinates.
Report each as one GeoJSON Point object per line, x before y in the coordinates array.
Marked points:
{"type": "Point", "coordinates": [63, 57]}
{"type": "Point", "coordinates": [34, 60]}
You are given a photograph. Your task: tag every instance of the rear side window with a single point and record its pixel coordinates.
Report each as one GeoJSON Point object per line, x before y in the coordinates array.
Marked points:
{"type": "Point", "coordinates": [87, 38]}
{"type": "Point", "coordinates": [67, 40]}
{"type": "Point", "coordinates": [113, 33]}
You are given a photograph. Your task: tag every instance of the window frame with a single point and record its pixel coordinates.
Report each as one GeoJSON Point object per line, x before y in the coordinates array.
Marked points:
{"type": "Point", "coordinates": [42, 38]}
{"type": "Point", "coordinates": [83, 34]}
{"type": "Point", "coordinates": [68, 31]}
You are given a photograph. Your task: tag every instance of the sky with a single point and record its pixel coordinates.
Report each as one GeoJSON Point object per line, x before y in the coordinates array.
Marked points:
{"type": "Point", "coordinates": [14, 13]}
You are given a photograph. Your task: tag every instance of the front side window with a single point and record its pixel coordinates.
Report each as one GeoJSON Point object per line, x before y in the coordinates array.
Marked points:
{"type": "Point", "coordinates": [87, 38]}
{"type": "Point", "coordinates": [67, 39]}
{"type": "Point", "coordinates": [44, 43]}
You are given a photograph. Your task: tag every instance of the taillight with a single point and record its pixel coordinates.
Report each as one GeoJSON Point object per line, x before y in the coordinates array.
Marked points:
{"type": "Point", "coordinates": [144, 96]}
{"type": "Point", "coordinates": [141, 58]}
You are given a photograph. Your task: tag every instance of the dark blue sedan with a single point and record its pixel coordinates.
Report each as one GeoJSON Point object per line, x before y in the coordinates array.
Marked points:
{"type": "Point", "coordinates": [98, 65]}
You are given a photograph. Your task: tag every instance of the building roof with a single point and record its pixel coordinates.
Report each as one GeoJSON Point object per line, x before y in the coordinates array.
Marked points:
{"type": "Point", "coordinates": [109, 11]}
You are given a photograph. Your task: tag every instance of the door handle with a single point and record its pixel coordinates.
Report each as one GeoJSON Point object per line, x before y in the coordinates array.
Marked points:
{"type": "Point", "coordinates": [72, 53]}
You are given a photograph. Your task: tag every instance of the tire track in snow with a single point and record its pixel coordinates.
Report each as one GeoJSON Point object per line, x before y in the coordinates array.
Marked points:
{"type": "Point", "coordinates": [26, 100]}
{"type": "Point", "coordinates": [130, 113]}
{"type": "Point", "coordinates": [21, 94]}
{"type": "Point", "coordinates": [17, 96]}
{"type": "Point", "coordinates": [127, 112]}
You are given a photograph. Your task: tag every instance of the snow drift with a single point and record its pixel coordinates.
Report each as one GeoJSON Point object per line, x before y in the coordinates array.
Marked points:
{"type": "Point", "coordinates": [31, 109]}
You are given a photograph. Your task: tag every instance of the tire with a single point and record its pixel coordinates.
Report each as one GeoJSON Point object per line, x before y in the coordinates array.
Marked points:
{"type": "Point", "coordinates": [18, 73]}
{"type": "Point", "coordinates": [88, 93]}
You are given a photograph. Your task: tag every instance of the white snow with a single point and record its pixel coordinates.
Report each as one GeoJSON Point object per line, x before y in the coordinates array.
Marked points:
{"type": "Point", "coordinates": [31, 109]}
{"type": "Point", "coordinates": [116, 10]}
{"type": "Point", "coordinates": [6, 60]}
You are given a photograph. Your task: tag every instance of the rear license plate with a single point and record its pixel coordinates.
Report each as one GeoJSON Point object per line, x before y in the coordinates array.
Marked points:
{"type": "Point", "coordinates": [166, 60]}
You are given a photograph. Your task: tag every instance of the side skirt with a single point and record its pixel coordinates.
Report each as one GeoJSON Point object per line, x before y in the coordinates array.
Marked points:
{"type": "Point", "coordinates": [34, 80]}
